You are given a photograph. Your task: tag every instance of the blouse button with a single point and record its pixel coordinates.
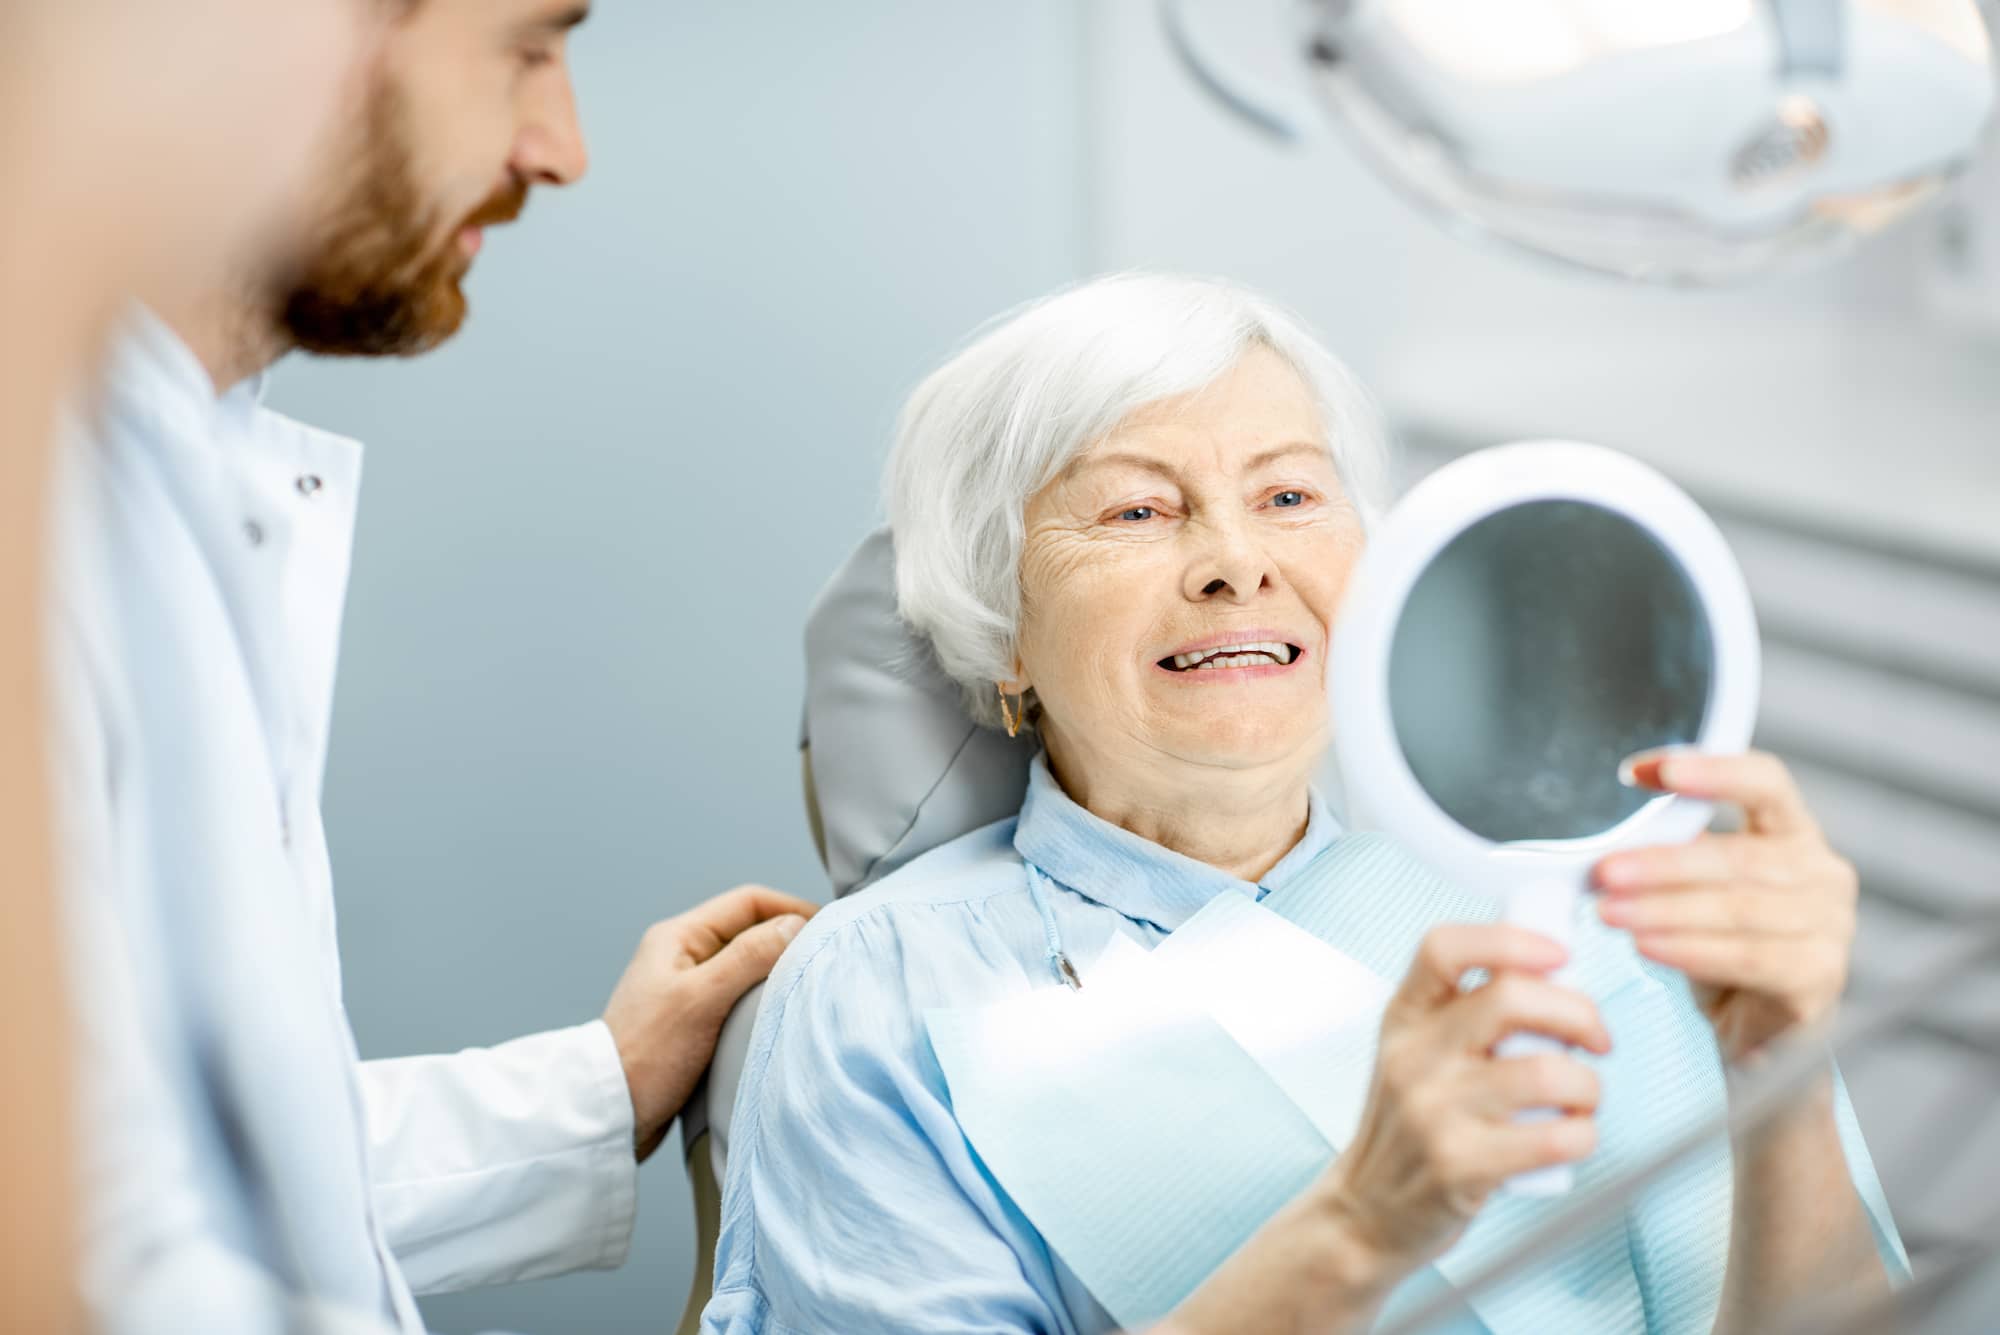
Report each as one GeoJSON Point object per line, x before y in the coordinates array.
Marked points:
{"type": "Point", "coordinates": [254, 531]}
{"type": "Point", "coordinates": [309, 484]}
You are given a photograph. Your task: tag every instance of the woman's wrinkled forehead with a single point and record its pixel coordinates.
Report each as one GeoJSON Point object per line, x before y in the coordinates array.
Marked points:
{"type": "Point", "coordinates": [1113, 458]}
{"type": "Point", "coordinates": [1258, 412]}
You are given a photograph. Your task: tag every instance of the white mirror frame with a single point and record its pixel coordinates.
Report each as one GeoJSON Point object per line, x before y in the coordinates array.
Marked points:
{"type": "Point", "coordinates": [1381, 790]}
{"type": "Point", "coordinates": [1541, 884]}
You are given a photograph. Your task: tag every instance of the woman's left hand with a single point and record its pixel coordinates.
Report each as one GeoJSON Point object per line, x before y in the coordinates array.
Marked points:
{"type": "Point", "coordinates": [1762, 921]}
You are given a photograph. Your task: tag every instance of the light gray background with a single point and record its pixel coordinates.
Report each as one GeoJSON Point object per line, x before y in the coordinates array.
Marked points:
{"type": "Point", "coordinates": [592, 525]}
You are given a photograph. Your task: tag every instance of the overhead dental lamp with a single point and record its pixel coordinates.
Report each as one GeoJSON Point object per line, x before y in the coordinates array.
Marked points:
{"type": "Point", "coordinates": [1670, 141]}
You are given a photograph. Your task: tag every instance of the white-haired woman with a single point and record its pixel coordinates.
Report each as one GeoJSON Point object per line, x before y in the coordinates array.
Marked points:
{"type": "Point", "coordinates": [1126, 515]}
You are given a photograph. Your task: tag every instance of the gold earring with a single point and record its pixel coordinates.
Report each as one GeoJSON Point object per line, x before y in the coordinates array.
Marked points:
{"type": "Point", "coordinates": [1015, 717]}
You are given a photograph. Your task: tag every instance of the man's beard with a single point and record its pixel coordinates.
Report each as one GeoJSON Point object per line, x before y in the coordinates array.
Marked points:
{"type": "Point", "coordinates": [380, 282]}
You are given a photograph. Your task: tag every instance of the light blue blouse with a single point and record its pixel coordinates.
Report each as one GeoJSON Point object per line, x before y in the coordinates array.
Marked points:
{"type": "Point", "coordinates": [853, 1200]}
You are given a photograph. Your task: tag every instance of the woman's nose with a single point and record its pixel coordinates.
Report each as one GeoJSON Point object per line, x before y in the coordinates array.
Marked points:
{"type": "Point", "coordinates": [1234, 568]}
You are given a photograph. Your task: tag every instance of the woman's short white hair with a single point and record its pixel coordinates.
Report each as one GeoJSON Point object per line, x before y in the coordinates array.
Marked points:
{"type": "Point", "coordinates": [1004, 417]}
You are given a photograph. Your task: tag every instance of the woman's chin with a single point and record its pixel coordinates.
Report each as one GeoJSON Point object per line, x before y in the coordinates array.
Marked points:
{"type": "Point", "coordinates": [1252, 744]}
{"type": "Point", "coordinates": [1257, 723]}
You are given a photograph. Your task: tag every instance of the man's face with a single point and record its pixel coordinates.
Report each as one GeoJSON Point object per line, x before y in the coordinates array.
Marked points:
{"type": "Point", "coordinates": [471, 109]}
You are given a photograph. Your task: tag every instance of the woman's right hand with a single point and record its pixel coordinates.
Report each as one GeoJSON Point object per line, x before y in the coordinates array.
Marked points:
{"type": "Point", "coordinates": [1440, 1130]}
{"type": "Point", "coordinates": [1438, 1135]}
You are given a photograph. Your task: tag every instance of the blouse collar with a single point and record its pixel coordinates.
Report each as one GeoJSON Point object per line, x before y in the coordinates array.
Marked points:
{"type": "Point", "coordinates": [1137, 877]}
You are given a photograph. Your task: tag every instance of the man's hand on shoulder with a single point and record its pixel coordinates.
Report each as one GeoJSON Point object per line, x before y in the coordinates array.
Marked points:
{"type": "Point", "coordinates": [667, 1011]}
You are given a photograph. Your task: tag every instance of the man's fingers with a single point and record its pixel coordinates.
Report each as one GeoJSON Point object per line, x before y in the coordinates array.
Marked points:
{"type": "Point", "coordinates": [1448, 953]}
{"type": "Point", "coordinates": [747, 960]}
{"type": "Point", "coordinates": [709, 926]}
{"type": "Point", "coordinates": [1518, 1003]}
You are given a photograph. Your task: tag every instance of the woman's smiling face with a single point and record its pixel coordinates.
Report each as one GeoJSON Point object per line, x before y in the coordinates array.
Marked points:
{"type": "Point", "coordinates": [1179, 580]}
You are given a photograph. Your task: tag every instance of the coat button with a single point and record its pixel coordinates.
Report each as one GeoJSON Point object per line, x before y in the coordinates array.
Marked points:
{"type": "Point", "coordinates": [309, 484]}
{"type": "Point", "coordinates": [254, 531]}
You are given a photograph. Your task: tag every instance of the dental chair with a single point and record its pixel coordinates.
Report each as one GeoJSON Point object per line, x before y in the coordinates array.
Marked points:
{"type": "Point", "coordinates": [892, 767]}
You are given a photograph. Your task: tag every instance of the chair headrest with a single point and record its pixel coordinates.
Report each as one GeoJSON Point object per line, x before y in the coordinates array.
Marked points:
{"type": "Point", "coordinates": [895, 765]}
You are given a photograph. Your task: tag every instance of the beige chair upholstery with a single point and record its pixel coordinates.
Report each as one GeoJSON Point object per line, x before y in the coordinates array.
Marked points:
{"type": "Point", "coordinates": [707, 1230]}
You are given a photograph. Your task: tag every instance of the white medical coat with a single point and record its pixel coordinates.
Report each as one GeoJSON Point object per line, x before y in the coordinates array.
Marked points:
{"type": "Point", "coordinates": [243, 1169]}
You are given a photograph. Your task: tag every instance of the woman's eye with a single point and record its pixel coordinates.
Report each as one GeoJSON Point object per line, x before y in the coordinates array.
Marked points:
{"type": "Point", "coordinates": [1138, 514]}
{"type": "Point", "coordinates": [1286, 500]}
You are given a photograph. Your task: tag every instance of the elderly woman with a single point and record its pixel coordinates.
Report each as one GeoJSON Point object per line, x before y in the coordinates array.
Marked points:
{"type": "Point", "coordinates": [1124, 518]}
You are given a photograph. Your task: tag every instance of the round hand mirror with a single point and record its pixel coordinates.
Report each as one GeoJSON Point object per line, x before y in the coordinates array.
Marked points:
{"type": "Point", "coordinates": [1523, 621]}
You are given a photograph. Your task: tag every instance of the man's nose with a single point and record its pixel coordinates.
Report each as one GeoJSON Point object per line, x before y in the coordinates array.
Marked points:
{"type": "Point", "coordinates": [550, 149]}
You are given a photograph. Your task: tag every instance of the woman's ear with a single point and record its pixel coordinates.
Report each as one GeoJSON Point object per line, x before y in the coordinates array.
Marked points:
{"type": "Point", "coordinates": [1018, 683]}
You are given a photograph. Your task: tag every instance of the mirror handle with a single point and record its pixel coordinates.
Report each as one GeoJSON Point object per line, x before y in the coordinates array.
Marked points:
{"type": "Point", "coordinates": [1549, 909]}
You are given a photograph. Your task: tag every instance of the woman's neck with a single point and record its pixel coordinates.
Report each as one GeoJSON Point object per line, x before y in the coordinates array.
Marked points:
{"type": "Point", "coordinates": [1241, 821]}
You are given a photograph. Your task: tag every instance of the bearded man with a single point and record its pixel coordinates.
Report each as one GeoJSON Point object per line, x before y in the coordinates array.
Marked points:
{"type": "Point", "coordinates": [244, 1170]}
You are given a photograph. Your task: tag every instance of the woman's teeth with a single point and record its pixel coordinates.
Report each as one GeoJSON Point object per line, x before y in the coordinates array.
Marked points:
{"type": "Point", "coordinates": [1262, 654]}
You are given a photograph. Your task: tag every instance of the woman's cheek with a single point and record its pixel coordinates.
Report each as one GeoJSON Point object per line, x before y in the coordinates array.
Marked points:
{"type": "Point", "coordinates": [1322, 568]}
{"type": "Point", "coordinates": [1091, 605]}
{"type": "Point", "coordinates": [1054, 561]}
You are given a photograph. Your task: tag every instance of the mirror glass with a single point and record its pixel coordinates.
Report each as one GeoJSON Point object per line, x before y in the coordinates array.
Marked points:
{"type": "Point", "coordinates": [1539, 648]}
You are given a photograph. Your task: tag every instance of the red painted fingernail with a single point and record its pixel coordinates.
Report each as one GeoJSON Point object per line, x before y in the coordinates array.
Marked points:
{"type": "Point", "coordinates": [1645, 770]}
